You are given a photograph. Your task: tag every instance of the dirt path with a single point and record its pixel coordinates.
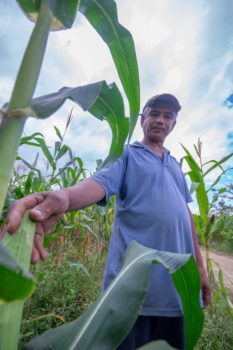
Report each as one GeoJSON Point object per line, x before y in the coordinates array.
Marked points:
{"type": "Point", "coordinates": [225, 261]}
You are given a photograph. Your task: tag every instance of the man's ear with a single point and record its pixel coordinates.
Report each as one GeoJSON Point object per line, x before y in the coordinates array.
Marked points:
{"type": "Point", "coordinates": [174, 123]}
{"type": "Point", "coordinates": [142, 119]}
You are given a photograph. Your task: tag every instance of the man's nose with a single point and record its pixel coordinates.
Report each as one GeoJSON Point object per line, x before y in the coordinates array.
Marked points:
{"type": "Point", "coordinates": [160, 119]}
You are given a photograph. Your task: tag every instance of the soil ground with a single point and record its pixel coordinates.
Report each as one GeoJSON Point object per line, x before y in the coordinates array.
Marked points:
{"type": "Point", "coordinates": [225, 261]}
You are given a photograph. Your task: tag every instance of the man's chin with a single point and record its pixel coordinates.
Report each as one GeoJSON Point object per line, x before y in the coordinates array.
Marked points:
{"type": "Point", "coordinates": [157, 139]}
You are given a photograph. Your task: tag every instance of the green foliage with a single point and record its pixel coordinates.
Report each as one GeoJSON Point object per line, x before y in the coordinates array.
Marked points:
{"type": "Point", "coordinates": [110, 318]}
{"type": "Point", "coordinates": [63, 15]}
{"type": "Point", "coordinates": [17, 282]}
{"type": "Point", "coordinates": [101, 100]}
{"type": "Point", "coordinates": [103, 17]}
{"type": "Point", "coordinates": [63, 291]}
{"type": "Point", "coordinates": [223, 231]}
{"type": "Point", "coordinates": [218, 327]}
{"type": "Point", "coordinates": [205, 221]}
{"type": "Point", "coordinates": [56, 15]}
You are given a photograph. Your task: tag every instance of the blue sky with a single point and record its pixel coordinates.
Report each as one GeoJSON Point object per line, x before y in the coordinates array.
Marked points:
{"type": "Point", "coordinates": [183, 47]}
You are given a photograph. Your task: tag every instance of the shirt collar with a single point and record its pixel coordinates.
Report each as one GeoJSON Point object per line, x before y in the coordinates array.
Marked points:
{"type": "Point", "coordinates": [147, 148]}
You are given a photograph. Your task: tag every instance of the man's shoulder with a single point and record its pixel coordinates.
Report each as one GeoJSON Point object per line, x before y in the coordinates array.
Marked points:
{"type": "Point", "coordinates": [174, 160]}
{"type": "Point", "coordinates": [131, 147]}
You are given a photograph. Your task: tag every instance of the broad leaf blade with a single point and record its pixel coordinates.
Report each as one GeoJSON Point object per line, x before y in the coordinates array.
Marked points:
{"type": "Point", "coordinates": [58, 133]}
{"type": "Point", "coordinates": [109, 320]}
{"type": "Point", "coordinates": [16, 283]}
{"type": "Point", "coordinates": [20, 247]}
{"type": "Point", "coordinates": [218, 163]}
{"type": "Point", "coordinates": [101, 100]}
{"type": "Point", "coordinates": [46, 151]}
{"type": "Point", "coordinates": [102, 14]}
{"type": "Point", "coordinates": [64, 12]}
{"type": "Point", "coordinates": [197, 177]}
{"type": "Point", "coordinates": [191, 305]}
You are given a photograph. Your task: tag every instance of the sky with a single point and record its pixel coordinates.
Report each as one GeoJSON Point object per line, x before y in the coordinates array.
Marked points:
{"type": "Point", "coordinates": [183, 47]}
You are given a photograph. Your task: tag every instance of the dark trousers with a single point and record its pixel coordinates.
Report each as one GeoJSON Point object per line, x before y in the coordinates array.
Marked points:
{"type": "Point", "coordinates": [150, 328]}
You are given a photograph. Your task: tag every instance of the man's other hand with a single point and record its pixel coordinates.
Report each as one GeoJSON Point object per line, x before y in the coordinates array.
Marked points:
{"type": "Point", "coordinates": [45, 209]}
{"type": "Point", "coordinates": [206, 288]}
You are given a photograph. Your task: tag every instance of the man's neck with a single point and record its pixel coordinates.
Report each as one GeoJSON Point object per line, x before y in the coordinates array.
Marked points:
{"type": "Point", "coordinates": [157, 148]}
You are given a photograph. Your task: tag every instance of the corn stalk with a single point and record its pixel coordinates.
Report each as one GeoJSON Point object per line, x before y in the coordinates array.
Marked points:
{"type": "Point", "coordinates": [54, 14]}
{"type": "Point", "coordinates": [10, 134]}
{"type": "Point", "coordinates": [13, 122]}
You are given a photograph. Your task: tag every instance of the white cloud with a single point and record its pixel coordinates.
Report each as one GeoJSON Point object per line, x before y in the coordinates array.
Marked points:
{"type": "Point", "coordinates": [183, 47]}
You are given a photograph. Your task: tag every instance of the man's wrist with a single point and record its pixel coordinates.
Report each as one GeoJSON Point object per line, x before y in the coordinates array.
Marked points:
{"type": "Point", "coordinates": [66, 194]}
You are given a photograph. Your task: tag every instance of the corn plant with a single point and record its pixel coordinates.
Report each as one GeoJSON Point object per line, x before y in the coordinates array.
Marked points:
{"type": "Point", "coordinates": [205, 221]}
{"type": "Point", "coordinates": [105, 324]}
{"type": "Point", "coordinates": [197, 174]}
{"type": "Point", "coordinates": [103, 101]}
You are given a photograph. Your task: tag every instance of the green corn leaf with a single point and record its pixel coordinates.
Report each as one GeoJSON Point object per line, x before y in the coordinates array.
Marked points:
{"type": "Point", "coordinates": [57, 147]}
{"type": "Point", "coordinates": [198, 222]}
{"type": "Point", "coordinates": [28, 184]}
{"type": "Point", "coordinates": [17, 283]}
{"type": "Point", "coordinates": [102, 14]}
{"type": "Point", "coordinates": [46, 151]}
{"type": "Point", "coordinates": [194, 187]}
{"type": "Point", "coordinates": [63, 11]}
{"type": "Point", "coordinates": [203, 201]}
{"type": "Point", "coordinates": [197, 151]}
{"type": "Point", "coordinates": [219, 178]}
{"type": "Point", "coordinates": [226, 299]}
{"type": "Point", "coordinates": [58, 133]}
{"type": "Point", "coordinates": [101, 100]}
{"type": "Point", "coordinates": [218, 163]}
{"type": "Point", "coordinates": [191, 162]}
{"type": "Point", "coordinates": [61, 152]}
{"type": "Point", "coordinates": [31, 167]}
{"type": "Point", "coordinates": [197, 177]}
{"type": "Point", "coordinates": [110, 318]}
{"type": "Point", "coordinates": [24, 140]}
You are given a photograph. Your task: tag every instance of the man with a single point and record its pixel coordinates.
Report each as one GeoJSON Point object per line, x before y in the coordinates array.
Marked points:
{"type": "Point", "coordinates": [152, 198]}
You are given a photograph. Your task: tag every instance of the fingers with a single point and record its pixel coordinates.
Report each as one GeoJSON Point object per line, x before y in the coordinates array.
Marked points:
{"type": "Point", "coordinates": [18, 209]}
{"type": "Point", "coordinates": [54, 203]}
{"type": "Point", "coordinates": [42, 205]}
{"type": "Point", "coordinates": [206, 297]}
{"type": "Point", "coordinates": [206, 293]}
{"type": "Point", "coordinates": [38, 251]}
{"type": "Point", "coordinates": [35, 256]}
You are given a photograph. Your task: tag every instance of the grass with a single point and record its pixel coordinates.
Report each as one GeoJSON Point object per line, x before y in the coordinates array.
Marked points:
{"type": "Point", "coordinates": [217, 333]}
{"type": "Point", "coordinates": [224, 247]}
{"type": "Point", "coordinates": [64, 291]}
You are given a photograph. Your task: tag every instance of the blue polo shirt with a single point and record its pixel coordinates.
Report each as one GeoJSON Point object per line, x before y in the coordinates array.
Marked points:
{"type": "Point", "coordinates": [151, 208]}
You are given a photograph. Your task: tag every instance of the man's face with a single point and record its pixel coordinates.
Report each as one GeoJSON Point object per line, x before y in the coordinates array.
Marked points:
{"type": "Point", "coordinates": [157, 123]}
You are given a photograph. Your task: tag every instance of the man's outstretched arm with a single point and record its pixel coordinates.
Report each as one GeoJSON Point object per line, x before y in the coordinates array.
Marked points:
{"type": "Point", "coordinates": [47, 207]}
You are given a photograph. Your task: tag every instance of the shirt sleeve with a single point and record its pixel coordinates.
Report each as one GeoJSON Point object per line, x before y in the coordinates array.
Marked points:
{"type": "Point", "coordinates": [111, 178]}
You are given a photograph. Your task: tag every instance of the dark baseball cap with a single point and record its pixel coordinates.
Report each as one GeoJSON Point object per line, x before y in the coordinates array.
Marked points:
{"type": "Point", "coordinates": [160, 99]}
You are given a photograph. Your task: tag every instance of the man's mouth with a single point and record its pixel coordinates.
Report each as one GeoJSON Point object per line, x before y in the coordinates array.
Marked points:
{"type": "Point", "coordinates": [157, 129]}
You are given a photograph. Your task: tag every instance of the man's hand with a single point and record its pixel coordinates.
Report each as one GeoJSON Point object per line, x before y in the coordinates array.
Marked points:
{"type": "Point", "coordinates": [45, 208]}
{"type": "Point", "coordinates": [205, 287]}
